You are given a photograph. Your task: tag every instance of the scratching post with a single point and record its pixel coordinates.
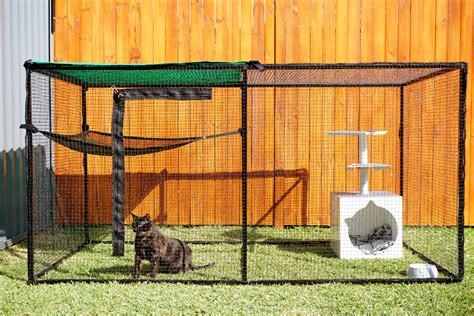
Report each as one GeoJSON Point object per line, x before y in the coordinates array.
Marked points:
{"type": "Point", "coordinates": [366, 224]}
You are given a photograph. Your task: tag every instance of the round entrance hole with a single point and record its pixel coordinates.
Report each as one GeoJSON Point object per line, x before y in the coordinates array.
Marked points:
{"type": "Point", "coordinates": [372, 229]}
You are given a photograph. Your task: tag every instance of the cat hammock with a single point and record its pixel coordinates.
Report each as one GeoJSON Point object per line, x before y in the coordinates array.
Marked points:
{"type": "Point", "coordinates": [100, 144]}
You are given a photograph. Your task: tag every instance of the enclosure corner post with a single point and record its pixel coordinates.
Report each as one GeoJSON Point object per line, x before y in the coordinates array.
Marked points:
{"type": "Point", "coordinates": [84, 163]}
{"type": "Point", "coordinates": [118, 176]}
{"type": "Point", "coordinates": [400, 135]}
{"type": "Point", "coordinates": [244, 176]}
{"type": "Point", "coordinates": [461, 166]}
{"type": "Point", "coordinates": [29, 177]}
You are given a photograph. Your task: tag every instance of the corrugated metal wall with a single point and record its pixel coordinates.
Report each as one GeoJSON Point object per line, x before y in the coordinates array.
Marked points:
{"type": "Point", "coordinates": [24, 34]}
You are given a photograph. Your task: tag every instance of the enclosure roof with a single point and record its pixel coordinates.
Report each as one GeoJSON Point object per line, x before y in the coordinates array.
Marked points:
{"type": "Point", "coordinates": [232, 73]}
{"type": "Point", "coordinates": [349, 75]}
{"type": "Point", "coordinates": [193, 73]}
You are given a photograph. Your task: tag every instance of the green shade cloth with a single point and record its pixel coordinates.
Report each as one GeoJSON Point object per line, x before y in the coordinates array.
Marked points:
{"type": "Point", "coordinates": [197, 73]}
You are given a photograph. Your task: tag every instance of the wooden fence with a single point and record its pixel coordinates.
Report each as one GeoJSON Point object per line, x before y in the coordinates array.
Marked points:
{"type": "Point", "coordinates": [274, 31]}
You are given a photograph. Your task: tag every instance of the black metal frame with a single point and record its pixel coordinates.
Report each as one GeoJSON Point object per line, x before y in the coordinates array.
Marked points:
{"type": "Point", "coordinates": [400, 136]}
{"type": "Point", "coordinates": [84, 163]}
{"type": "Point", "coordinates": [48, 70]}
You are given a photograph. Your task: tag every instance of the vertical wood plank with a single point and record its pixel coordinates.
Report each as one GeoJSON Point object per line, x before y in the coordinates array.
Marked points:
{"type": "Point", "coordinates": [467, 52]}
{"type": "Point", "coordinates": [150, 166]}
{"type": "Point", "coordinates": [123, 31]}
{"type": "Point", "coordinates": [147, 33]}
{"type": "Point", "coordinates": [404, 30]}
{"type": "Point", "coordinates": [409, 157]}
{"type": "Point", "coordinates": [198, 110]}
{"type": "Point", "coordinates": [315, 117]}
{"type": "Point", "coordinates": [441, 54]}
{"type": "Point", "coordinates": [224, 194]}
{"type": "Point", "coordinates": [98, 27]}
{"type": "Point", "coordinates": [246, 30]}
{"type": "Point", "coordinates": [110, 32]}
{"type": "Point", "coordinates": [454, 54]}
{"type": "Point", "coordinates": [329, 31]}
{"type": "Point", "coordinates": [341, 106]}
{"type": "Point", "coordinates": [256, 184]}
{"type": "Point", "coordinates": [171, 118]}
{"type": "Point", "coordinates": [269, 32]}
{"type": "Point", "coordinates": [280, 32]}
{"type": "Point", "coordinates": [454, 30]}
{"type": "Point", "coordinates": [184, 115]}
{"type": "Point", "coordinates": [376, 144]}
{"type": "Point", "coordinates": [208, 118]}
{"type": "Point", "coordinates": [429, 111]}
{"type": "Point", "coordinates": [427, 142]}
{"type": "Point", "coordinates": [135, 32]}
{"type": "Point", "coordinates": [367, 31]}
{"type": "Point", "coordinates": [391, 31]}
{"type": "Point", "coordinates": [470, 126]}
{"type": "Point", "coordinates": [269, 119]}
{"type": "Point", "coordinates": [154, 42]}
{"type": "Point", "coordinates": [279, 208]}
{"type": "Point", "coordinates": [85, 31]}
{"type": "Point", "coordinates": [352, 145]}
{"type": "Point", "coordinates": [73, 33]}
{"type": "Point", "coordinates": [303, 110]}
{"type": "Point", "coordinates": [416, 31]}
{"type": "Point", "coordinates": [159, 31]}
{"type": "Point", "coordinates": [61, 32]}
{"type": "Point", "coordinates": [327, 156]}
{"type": "Point", "coordinates": [234, 211]}
{"type": "Point", "coordinates": [353, 94]}
{"type": "Point", "coordinates": [392, 140]}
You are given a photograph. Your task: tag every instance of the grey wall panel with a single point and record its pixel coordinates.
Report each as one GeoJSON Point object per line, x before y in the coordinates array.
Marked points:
{"type": "Point", "coordinates": [24, 34]}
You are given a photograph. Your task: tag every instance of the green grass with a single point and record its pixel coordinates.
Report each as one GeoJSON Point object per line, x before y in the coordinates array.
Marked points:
{"type": "Point", "coordinates": [265, 262]}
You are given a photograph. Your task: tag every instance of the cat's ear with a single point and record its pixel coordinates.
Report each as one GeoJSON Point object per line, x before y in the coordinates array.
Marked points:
{"type": "Point", "coordinates": [134, 216]}
{"type": "Point", "coordinates": [147, 217]}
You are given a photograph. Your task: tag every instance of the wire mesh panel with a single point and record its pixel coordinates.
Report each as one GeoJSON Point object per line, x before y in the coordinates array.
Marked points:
{"type": "Point", "coordinates": [431, 162]}
{"type": "Point", "coordinates": [57, 200]}
{"type": "Point", "coordinates": [241, 172]}
{"type": "Point", "coordinates": [311, 104]}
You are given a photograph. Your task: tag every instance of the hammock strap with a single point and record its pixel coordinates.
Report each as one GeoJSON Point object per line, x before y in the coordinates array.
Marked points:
{"type": "Point", "coordinates": [118, 176]}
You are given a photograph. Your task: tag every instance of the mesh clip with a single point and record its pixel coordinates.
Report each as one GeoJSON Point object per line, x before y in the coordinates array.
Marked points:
{"type": "Point", "coordinates": [30, 128]}
{"type": "Point", "coordinates": [257, 64]}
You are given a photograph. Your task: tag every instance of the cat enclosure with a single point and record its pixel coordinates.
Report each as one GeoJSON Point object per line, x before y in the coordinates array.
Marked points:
{"type": "Point", "coordinates": [262, 170]}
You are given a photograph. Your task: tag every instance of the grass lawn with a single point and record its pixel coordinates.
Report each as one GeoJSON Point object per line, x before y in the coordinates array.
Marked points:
{"type": "Point", "coordinates": [265, 262]}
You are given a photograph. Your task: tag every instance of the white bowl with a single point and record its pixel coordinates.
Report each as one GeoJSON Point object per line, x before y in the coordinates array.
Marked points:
{"type": "Point", "coordinates": [422, 271]}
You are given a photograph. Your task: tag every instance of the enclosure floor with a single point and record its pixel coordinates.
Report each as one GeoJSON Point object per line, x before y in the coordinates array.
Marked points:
{"type": "Point", "coordinates": [265, 262]}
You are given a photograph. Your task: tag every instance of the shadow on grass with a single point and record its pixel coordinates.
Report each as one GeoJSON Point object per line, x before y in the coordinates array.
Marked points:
{"type": "Point", "coordinates": [321, 249]}
{"type": "Point", "coordinates": [12, 276]}
{"type": "Point", "coordinates": [11, 251]}
{"type": "Point", "coordinates": [236, 234]}
{"type": "Point", "coordinates": [126, 270]}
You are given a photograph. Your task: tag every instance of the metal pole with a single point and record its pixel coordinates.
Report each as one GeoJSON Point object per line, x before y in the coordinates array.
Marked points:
{"type": "Point", "coordinates": [400, 136]}
{"type": "Point", "coordinates": [29, 179]}
{"type": "Point", "coordinates": [84, 163]}
{"type": "Point", "coordinates": [244, 176]}
{"type": "Point", "coordinates": [461, 163]}
{"type": "Point", "coordinates": [363, 159]}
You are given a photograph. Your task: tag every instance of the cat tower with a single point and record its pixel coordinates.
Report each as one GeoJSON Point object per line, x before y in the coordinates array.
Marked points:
{"type": "Point", "coordinates": [365, 224]}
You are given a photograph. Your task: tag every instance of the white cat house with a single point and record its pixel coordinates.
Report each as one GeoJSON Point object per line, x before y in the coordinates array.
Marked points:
{"type": "Point", "coordinates": [366, 224]}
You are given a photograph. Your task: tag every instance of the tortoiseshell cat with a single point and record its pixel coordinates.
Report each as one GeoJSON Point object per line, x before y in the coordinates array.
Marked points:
{"type": "Point", "coordinates": [169, 255]}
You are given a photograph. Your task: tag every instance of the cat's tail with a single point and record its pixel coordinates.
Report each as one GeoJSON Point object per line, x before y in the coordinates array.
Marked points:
{"type": "Point", "coordinates": [207, 266]}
